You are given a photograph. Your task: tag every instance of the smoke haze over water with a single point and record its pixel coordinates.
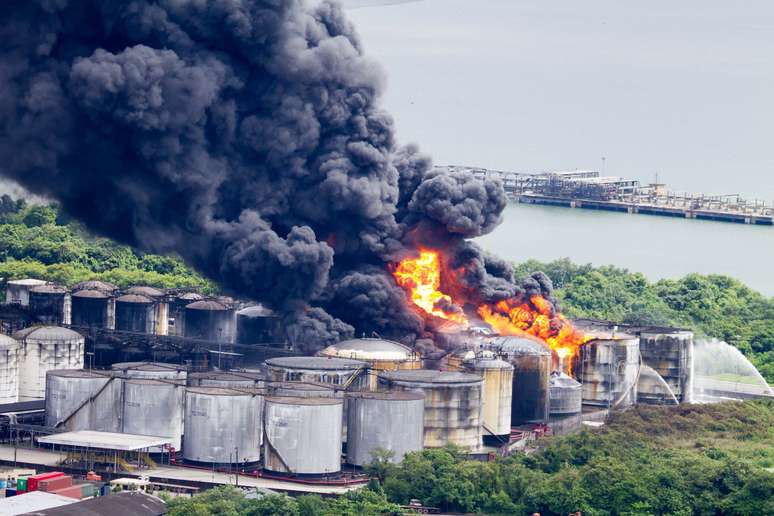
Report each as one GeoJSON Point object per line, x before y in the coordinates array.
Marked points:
{"type": "Point", "coordinates": [245, 137]}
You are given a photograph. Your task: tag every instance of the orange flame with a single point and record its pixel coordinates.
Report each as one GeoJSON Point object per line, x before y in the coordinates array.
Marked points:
{"type": "Point", "coordinates": [536, 318]}
{"type": "Point", "coordinates": [421, 277]}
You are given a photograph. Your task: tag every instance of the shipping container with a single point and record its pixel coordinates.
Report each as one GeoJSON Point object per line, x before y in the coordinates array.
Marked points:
{"type": "Point", "coordinates": [75, 492]}
{"type": "Point", "coordinates": [10, 491]}
{"type": "Point", "coordinates": [52, 484]}
{"type": "Point", "coordinates": [32, 482]}
{"type": "Point", "coordinates": [21, 485]}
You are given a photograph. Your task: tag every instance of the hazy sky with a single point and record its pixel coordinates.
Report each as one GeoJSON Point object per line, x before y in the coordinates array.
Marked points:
{"type": "Point", "coordinates": [684, 88]}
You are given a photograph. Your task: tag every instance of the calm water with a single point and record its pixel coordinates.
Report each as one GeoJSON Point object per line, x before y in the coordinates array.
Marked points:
{"type": "Point", "coordinates": [659, 247]}
{"type": "Point", "coordinates": [682, 89]}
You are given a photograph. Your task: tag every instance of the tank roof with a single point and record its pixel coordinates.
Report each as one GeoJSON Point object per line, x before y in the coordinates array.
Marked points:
{"type": "Point", "coordinates": [562, 381]}
{"type": "Point", "coordinates": [134, 298]}
{"type": "Point", "coordinates": [387, 395]}
{"type": "Point", "coordinates": [148, 366]}
{"type": "Point", "coordinates": [490, 363]}
{"type": "Point", "coordinates": [256, 311]}
{"type": "Point", "coordinates": [228, 375]}
{"type": "Point", "coordinates": [190, 296]}
{"type": "Point", "coordinates": [292, 400]}
{"type": "Point", "coordinates": [26, 282]}
{"type": "Point", "coordinates": [206, 304]}
{"type": "Point", "coordinates": [301, 386]}
{"type": "Point", "coordinates": [430, 376]}
{"type": "Point", "coordinates": [49, 288]}
{"type": "Point", "coordinates": [370, 349]}
{"type": "Point", "coordinates": [95, 294]}
{"type": "Point", "coordinates": [79, 373]}
{"type": "Point", "coordinates": [145, 290]}
{"type": "Point", "coordinates": [217, 391]}
{"type": "Point", "coordinates": [155, 381]}
{"type": "Point", "coordinates": [7, 342]}
{"type": "Point", "coordinates": [95, 285]}
{"type": "Point", "coordinates": [47, 333]}
{"type": "Point", "coordinates": [326, 363]}
{"type": "Point", "coordinates": [611, 336]}
{"type": "Point", "coordinates": [518, 346]}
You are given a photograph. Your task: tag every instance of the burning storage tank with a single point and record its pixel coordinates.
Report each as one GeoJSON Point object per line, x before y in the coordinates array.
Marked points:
{"type": "Point", "coordinates": [151, 370]}
{"type": "Point", "coordinates": [531, 361]}
{"type": "Point", "coordinates": [160, 308]}
{"type": "Point", "coordinates": [154, 407]}
{"type": "Point", "coordinates": [670, 353]}
{"type": "Point", "coordinates": [18, 291]}
{"type": "Point", "coordinates": [607, 368]}
{"type": "Point", "coordinates": [259, 325]}
{"type": "Point", "coordinates": [222, 426]}
{"type": "Point", "coordinates": [50, 303]}
{"type": "Point", "coordinates": [176, 317]}
{"type": "Point", "coordinates": [349, 374]}
{"type": "Point", "coordinates": [210, 320]}
{"type": "Point", "coordinates": [9, 370]}
{"type": "Point", "coordinates": [93, 304]}
{"type": "Point", "coordinates": [380, 354]}
{"type": "Point", "coordinates": [452, 404]}
{"type": "Point", "coordinates": [42, 349]}
{"type": "Point", "coordinates": [497, 397]}
{"type": "Point", "coordinates": [565, 395]}
{"type": "Point", "coordinates": [79, 399]}
{"type": "Point", "coordinates": [135, 313]}
{"type": "Point", "coordinates": [227, 380]}
{"type": "Point", "coordinates": [302, 436]}
{"type": "Point", "coordinates": [390, 421]}
{"type": "Point", "coordinates": [301, 389]}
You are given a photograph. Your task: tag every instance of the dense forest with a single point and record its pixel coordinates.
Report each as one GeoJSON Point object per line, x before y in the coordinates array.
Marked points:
{"type": "Point", "coordinates": [39, 241]}
{"type": "Point", "coordinates": [685, 460]}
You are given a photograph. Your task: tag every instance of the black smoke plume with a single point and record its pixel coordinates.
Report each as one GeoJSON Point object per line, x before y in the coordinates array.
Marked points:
{"type": "Point", "coordinates": [244, 136]}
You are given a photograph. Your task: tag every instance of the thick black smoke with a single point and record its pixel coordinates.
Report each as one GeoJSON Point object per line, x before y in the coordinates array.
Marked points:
{"type": "Point", "coordinates": [244, 136]}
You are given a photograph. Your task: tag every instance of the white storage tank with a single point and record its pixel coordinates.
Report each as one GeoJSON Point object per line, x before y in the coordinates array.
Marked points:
{"type": "Point", "coordinates": [301, 389]}
{"type": "Point", "coordinates": [302, 436]}
{"type": "Point", "coordinates": [151, 370]}
{"type": "Point", "coordinates": [154, 407]}
{"type": "Point", "coordinates": [9, 369]}
{"type": "Point", "coordinates": [18, 291]}
{"type": "Point", "coordinates": [380, 354]}
{"type": "Point", "coordinates": [222, 426]}
{"type": "Point", "coordinates": [79, 399]}
{"type": "Point", "coordinates": [43, 349]}
{"type": "Point", "coordinates": [390, 421]}
{"type": "Point", "coordinates": [497, 396]}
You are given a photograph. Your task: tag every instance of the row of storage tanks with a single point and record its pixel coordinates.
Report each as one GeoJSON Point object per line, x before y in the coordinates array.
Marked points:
{"type": "Point", "coordinates": [144, 309]}
{"type": "Point", "coordinates": [367, 393]}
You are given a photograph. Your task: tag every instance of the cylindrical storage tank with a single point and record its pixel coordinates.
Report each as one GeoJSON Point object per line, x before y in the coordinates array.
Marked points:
{"type": "Point", "coordinates": [43, 349]}
{"type": "Point", "coordinates": [497, 397]}
{"type": "Point", "coordinates": [92, 308]}
{"type": "Point", "coordinates": [151, 370]}
{"type": "Point", "coordinates": [222, 426]}
{"type": "Point", "coordinates": [176, 309]}
{"type": "Point", "coordinates": [135, 313]}
{"type": "Point", "coordinates": [607, 368]}
{"type": "Point", "coordinates": [210, 320]}
{"type": "Point", "coordinates": [670, 353]}
{"type": "Point", "coordinates": [227, 380]}
{"type": "Point", "coordinates": [154, 407]}
{"type": "Point", "coordinates": [79, 399]}
{"type": "Point", "coordinates": [336, 371]}
{"type": "Point", "coordinates": [18, 291]}
{"type": "Point", "coordinates": [390, 421]}
{"type": "Point", "coordinates": [160, 307]}
{"type": "Point", "coordinates": [101, 286]}
{"type": "Point", "coordinates": [259, 325]}
{"type": "Point", "coordinates": [531, 361]}
{"type": "Point", "coordinates": [565, 395]}
{"type": "Point", "coordinates": [302, 436]}
{"type": "Point", "coordinates": [50, 304]}
{"type": "Point", "coordinates": [9, 370]}
{"type": "Point", "coordinates": [453, 404]}
{"type": "Point", "coordinates": [380, 354]}
{"type": "Point", "coordinates": [301, 389]}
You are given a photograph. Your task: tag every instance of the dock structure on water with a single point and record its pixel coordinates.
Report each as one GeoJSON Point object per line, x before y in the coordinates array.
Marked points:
{"type": "Point", "coordinates": [588, 189]}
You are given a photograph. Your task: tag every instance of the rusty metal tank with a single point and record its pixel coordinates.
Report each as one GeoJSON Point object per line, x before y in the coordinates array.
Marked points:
{"type": "Point", "coordinates": [453, 404]}
{"type": "Point", "coordinates": [51, 304]}
{"type": "Point", "coordinates": [135, 313]}
{"type": "Point", "coordinates": [608, 369]}
{"type": "Point", "coordinates": [160, 315]}
{"type": "Point", "coordinates": [259, 325]}
{"type": "Point", "coordinates": [176, 309]}
{"type": "Point", "coordinates": [210, 320]}
{"type": "Point", "coordinates": [670, 353]}
{"type": "Point", "coordinates": [531, 361]}
{"type": "Point", "coordinates": [497, 394]}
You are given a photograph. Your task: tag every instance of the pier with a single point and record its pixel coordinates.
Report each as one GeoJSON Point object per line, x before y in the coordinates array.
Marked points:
{"type": "Point", "coordinates": [587, 189]}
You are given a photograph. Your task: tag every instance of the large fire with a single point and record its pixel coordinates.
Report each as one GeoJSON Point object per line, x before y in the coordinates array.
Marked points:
{"type": "Point", "coordinates": [535, 318]}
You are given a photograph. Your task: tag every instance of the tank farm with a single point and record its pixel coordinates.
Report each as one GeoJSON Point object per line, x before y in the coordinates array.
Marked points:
{"type": "Point", "coordinates": [219, 379]}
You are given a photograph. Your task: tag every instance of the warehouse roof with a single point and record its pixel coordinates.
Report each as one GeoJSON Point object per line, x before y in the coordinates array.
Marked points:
{"type": "Point", "coordinates": [129, 503]}
{"type": "Point", "coordinates": [33, 502]}
{"type": "Point", "coordinates": [105, 440]}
